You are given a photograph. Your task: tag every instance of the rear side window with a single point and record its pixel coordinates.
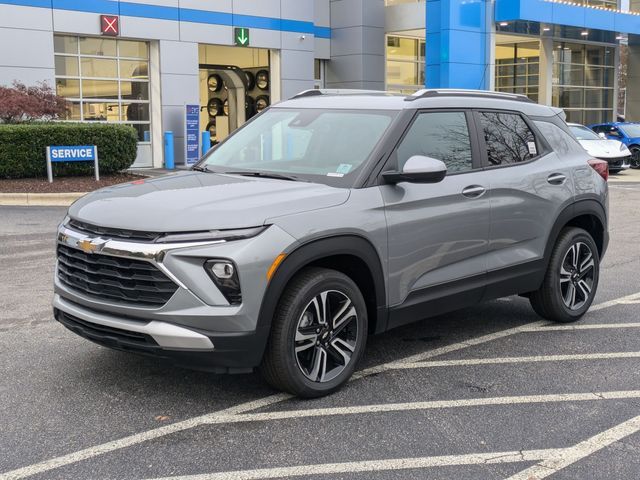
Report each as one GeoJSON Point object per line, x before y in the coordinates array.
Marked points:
{"type": "Point", "coordinates": [508, 138]}
{"type": "Point", "coordinates": [441, 135]}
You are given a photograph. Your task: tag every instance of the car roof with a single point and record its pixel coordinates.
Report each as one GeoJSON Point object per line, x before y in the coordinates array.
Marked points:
{"type": "Point", "coordinates": [434, 98]}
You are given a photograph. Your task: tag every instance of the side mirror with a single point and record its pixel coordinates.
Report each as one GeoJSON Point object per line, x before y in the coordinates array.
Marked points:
{"type": "Point", "coordinates": [418, 169]}
{"type": "Point", "coordinates": [602, 135]}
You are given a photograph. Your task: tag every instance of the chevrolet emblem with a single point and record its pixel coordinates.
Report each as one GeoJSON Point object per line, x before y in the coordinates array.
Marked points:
{"type": "Point", "coordinates": [89, 246]}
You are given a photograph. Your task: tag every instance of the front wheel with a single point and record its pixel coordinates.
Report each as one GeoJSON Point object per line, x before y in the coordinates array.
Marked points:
{"type": "Point", "coordinates": [571, 279]}
{"type": "Point", "coordinates": [635, 157]}
{"type": "Point", "coordinates": [318, 334]}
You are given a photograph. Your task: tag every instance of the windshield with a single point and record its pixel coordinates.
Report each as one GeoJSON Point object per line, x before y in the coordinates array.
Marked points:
{"type": "Point", "coordinates": [584, 133]}
{"type": "Point", "coordinates": [320, 145]}
{"type": "Point", "coordinates": [632, 130]}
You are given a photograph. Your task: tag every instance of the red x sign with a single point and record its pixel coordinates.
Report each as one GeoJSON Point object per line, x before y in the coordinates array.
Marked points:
{"type": "Point", "coordinates": [109, 25]}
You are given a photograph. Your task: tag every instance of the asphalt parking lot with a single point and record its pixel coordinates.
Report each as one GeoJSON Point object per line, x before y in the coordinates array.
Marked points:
{"type": "Point", "coordinates": [490, 392]}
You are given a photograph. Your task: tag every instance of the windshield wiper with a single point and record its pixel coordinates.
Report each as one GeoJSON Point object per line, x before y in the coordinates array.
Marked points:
{"type": "Point", "coordinates": [266, 175]}
{"type": "Point", "coordinates": [201, 169]}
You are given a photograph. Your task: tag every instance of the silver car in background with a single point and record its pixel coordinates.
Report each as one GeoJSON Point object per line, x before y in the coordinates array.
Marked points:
{"type": "Point", "coordinates": [615, 153]}
{"type": "Point", "coordinates": [332, 216]}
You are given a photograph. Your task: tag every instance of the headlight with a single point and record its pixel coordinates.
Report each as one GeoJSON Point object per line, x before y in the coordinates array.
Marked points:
{"type": "Point", "coordinates": [212, 235]}
{"type": "Point", "coordinates": [623, 147]}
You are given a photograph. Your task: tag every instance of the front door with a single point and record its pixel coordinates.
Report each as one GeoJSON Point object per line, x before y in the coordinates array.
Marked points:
{"type": "Point", "coordinates": [438, 233]}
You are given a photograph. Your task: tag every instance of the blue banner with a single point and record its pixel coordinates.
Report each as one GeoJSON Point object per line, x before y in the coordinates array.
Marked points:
{"type": "Point", "coordinates": [192, 133]}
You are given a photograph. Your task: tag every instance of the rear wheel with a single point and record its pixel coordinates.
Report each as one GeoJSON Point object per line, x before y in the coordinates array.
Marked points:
{"type": "Point", "coordinates": [635, 156]}
{"type": "Point", "coordinates": [571, 279]}
{"type": "Point", "coordinates": [318, 334]}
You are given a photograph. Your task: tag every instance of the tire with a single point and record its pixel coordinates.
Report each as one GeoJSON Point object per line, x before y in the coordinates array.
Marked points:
{"type": "Point", "coordinates": [299, 359]}
{"type": "Point", "coordinates": [635, 157]}
{"type": "Point", "coordinates": [554, 300]}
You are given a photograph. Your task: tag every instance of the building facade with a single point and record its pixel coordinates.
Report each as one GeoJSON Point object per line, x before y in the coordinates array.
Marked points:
{"type": "Point", "coordinates": [142, 62]}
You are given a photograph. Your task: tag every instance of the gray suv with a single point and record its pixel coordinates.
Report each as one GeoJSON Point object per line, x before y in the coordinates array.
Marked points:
{"type": "Point", "coordinates": [332, 216]}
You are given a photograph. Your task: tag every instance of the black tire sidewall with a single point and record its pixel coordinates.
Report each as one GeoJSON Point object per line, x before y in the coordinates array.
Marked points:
{"type": "Point", "coordinates": [324, 280]}
{"type": "Point", "coordinates": [557, 303]}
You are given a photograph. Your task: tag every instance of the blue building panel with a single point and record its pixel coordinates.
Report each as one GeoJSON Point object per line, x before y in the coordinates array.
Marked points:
{"type": "Point", "coordinates": [544, 11]}
{"type": "Point", "coordinates": [456, 44]}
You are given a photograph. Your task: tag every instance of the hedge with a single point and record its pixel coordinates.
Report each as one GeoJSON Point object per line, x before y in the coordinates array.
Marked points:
{"type": "Point", "coordinates": [23, 148]}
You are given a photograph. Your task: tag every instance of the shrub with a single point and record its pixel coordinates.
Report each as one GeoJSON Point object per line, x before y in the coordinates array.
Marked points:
{"type": "Point", "coordinates": [23, 148]}
{"type": "Point", "coordinates": [24, 104]}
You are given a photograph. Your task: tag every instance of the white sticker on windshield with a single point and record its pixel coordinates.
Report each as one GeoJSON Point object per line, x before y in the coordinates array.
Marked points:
{"type": "Point", "coordinates": [332, 174]}
{"type": "Point", "coordinates": [343, 168]}
{"type": "Point", "coordinates": [532, 148]}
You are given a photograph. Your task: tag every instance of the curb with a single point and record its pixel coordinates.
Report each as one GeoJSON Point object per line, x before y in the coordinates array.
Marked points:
{"type": "Point", "coordinates": [39, 199]}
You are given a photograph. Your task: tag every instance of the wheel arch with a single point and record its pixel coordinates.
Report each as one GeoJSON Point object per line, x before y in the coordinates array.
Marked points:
{"type": "Point", "coordinates": [344, 253]}
{"type": "Point", "coordinates": [587, 214]}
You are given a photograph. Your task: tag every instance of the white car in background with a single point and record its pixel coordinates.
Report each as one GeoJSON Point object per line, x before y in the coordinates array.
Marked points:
{"type": "Point", "coordinates": [615, 153]}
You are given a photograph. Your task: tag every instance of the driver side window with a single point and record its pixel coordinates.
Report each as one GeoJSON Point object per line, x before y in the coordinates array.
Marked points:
{"type": "Point", "coordinates": [440, 135]}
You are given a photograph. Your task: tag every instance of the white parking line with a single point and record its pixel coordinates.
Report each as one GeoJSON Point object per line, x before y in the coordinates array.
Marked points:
{"type": "Point", "coordinates": [429, 405]}
{"type": "Point", "coordinates": [375, 465]}
{"type": "Point", "coordinates": [501, 360]}
{"type": "Point", "coordinates": [629, 299]}
{"type": "Point", "coordinates": [141, 437]}
{"type": "Point", "coordinates": [585, 326]}
{"type": "Point", "coordinates": [565, 457]}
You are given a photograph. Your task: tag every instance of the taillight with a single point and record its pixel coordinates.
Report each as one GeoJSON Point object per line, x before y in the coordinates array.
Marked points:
{"type": "Point", "coordinates": [601, 167]}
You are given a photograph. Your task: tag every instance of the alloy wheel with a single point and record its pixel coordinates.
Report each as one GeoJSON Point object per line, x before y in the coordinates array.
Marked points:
{"type": "Point", "coordinates": [326, 336]}
{"type": "Point", "coordinates": [577, 275]}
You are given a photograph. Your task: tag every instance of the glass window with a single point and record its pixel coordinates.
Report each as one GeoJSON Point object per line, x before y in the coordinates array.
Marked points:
{"type": "Point", "coordinates": [103, 89]}
{"type": "Point", "coordinates": [67, 66]}
{"type": "Point", "coordinates": [517, 67]}
{"type": "Point", "coordinates": [313, 143]}
{"type": "Point", "coordinates": [583, 133]}
{"type": "Point", "coordinates": [68, 88]}
{"type": "Point", "coordinates": [99, 89]}
{"type": "Point", "coordinates": [64, 44]}
{"type": "Point", "coordinates": [103, 47]}
{"type": "Point", "coordinates": [99, 67]}
{"type": "Point", "coordinates": [405, 64]}
{"type": "Point", "coordinates": [134, 69]}
{"type": "Point", "coordinates": [441, 135]}
{"type": "Point", "coordinates": [133, 49]}
{"type": "Point", "coordinates": [508, 138]}
{"type": "Point", "coordinates": [631, 130]}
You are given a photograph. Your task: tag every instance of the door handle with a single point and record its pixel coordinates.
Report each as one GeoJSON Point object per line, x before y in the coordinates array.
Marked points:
{"type": "Point", "coordinates": [556, 179]}
{"type": "Point", "coordinates": [473, 191]}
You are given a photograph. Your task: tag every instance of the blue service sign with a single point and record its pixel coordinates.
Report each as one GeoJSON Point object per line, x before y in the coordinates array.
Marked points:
{"type": "Point", "coordinates": [82, 153]}
{"type": "Point", "coordinates": [192, 133]}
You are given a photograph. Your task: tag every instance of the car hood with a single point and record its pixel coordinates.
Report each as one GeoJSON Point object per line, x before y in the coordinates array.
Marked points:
{"type": "Point", "coordinates": [604, 148]}
{"type": "Point", "coordinates": [193, 201]}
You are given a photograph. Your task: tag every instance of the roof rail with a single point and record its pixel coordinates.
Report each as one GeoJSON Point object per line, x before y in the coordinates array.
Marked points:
{"type": "Point", "coordinates": [450, 92]}
{"type": "Point", "coordinates": [337, 91]}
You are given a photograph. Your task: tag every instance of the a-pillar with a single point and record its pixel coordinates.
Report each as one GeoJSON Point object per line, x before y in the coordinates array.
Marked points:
{"type": "Point", "coordinates": [459, 44]}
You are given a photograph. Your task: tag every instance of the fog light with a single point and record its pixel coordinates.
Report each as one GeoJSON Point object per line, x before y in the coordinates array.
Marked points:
{"type": "Point", "coordinates": [225, 275]}
{"type": "Point", "coordinates": [223, 270]}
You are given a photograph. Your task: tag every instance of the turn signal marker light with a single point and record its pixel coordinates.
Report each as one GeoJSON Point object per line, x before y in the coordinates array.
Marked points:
{"type": "Point", "coordinates": [274, 266]}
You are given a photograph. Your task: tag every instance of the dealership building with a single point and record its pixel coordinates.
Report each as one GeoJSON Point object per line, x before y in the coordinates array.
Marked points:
{"type": "Point", "coordinates": [147, 63]}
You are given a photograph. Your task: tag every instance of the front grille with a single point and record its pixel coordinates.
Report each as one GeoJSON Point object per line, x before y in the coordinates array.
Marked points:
{"type": "Point", "coordinates": [114, 279]}
{"type": "Point", "coordinates": [117, 233]}
{"type": "Point", "coordinates": [108, 336]}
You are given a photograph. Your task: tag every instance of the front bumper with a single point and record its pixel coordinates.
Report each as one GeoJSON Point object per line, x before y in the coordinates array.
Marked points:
{"type": "Point", "coordinates": [617, 163]}
{"type": "Point", "coordinates": [196, 327]}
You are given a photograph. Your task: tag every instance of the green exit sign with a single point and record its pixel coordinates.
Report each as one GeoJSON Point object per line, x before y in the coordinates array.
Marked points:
{"type": "Point", "coordinates": [241, 36]}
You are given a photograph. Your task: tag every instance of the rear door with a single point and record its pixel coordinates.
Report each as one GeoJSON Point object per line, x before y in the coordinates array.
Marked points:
{"type": "Point", "coordinates": [529, 185]}
{"type": "Point", "coordinates": [438, 233]}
